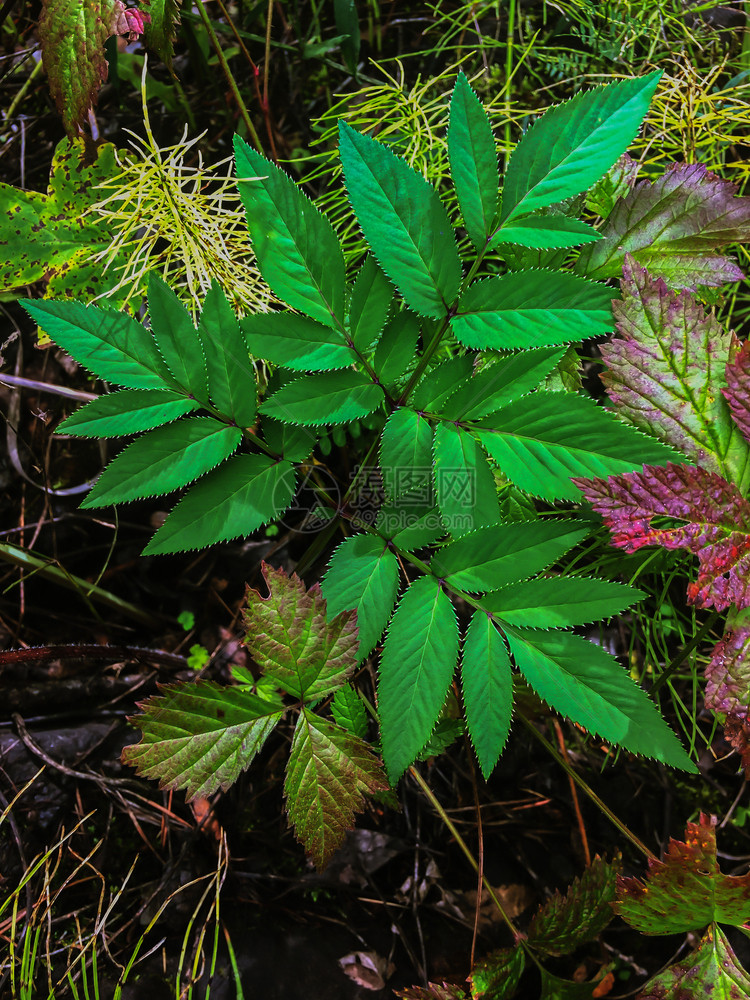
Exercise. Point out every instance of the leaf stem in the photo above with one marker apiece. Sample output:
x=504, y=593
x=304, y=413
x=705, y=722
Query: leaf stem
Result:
x=686, y=650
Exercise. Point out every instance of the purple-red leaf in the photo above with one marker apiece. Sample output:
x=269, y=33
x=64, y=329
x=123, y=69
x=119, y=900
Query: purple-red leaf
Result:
x=711, y=972
x=713, y=523
x=737, y=392
x=728, y=673
x=673, y=227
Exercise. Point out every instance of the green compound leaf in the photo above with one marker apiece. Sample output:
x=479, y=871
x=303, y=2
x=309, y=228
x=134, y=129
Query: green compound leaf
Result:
x=492, y=557
x=397, y=347
x=566, y=921
x=403, y=221
x=128, y=411
x=328, y=775
x=231, y=379
x=293, y=640
x=560, y=601
x=441, y=382
x=542, y=440
x=487, y=684
x=712, y=970
x=349, y=711
x=583, y=682
x=328, y=398
x=416, y=668
x=372, y=296
x=235, y=499
x=164, y=460
x=295, y=342
x=464, y=485
x=687, y=889
x=296, y=248
x=546, y=232
x=572, y=145
x=473, y=160
x=201, y=736
x=532, y=309
x=497, y=976
x=363, y=575
x=177, y=339
x=500, y=382
x=406, y=452
x=109, y=344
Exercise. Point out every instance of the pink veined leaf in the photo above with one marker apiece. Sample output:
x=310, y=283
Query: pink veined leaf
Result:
x=728, y=673
x=715, y=524
x=737, y=392
x=73, y=33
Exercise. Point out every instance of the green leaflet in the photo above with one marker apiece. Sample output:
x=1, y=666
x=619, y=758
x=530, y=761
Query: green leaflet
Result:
x=128, y=411
x=542, y=440
x=111, y=345
x=583, y=682
x=363, y=574
x=372, y=296
x=560, y=600
x=162, y=28
x=295, y=342
x=403, y=221
x=397, y=347
x=487, y=685
x=297, y=250
x=499, y=382
x=294, y=443
x=164, y=460
x=177, y=339
x=546, y=232
x=347, y=23
x=416, y=668
x=201, y=736
x=493, y=557
x=498, y=975
x=349, y=711
x=235, y=499
x=328, y=398
x=473, y=160
x=464, y=486
x=532, y=309
x=406, y=453
x=711, y=970
x=572, y=145
x=441, y=382
x=231, y=379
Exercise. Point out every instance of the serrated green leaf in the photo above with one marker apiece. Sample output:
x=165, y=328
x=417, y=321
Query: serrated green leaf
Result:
x=711, y=971
x=111, y=345
x=128, y=411
x=559, y=601
x=493, y=557
x=410, y=525
x=161, y=30
x=164, y=460
x=294, y=443
x=397, y=347
x=473, y=160
x=363, y=575
x=349, y=711
x=498, y=975
x=541, y=440
x=177, y=339
x=295, y=342
x=416, y=668
x=532, y=309
x=585, y=683
x=441, y=382
x=231, y=379
x=546, y=232
x=307, y=652
x=572, y=145
x=487, y=684
x=328, y=775
x=296, y=248
x=464, y=485
x=372, y=296
x=326, y=398
x=406, y=453
x=238, y=497
x=403, y=221
x=201, y=736
x=444, y=735
x=500, y=382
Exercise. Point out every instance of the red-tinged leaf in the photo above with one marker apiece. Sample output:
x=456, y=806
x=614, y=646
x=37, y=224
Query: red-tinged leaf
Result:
x=728, y=673
x=564, y=922
x=673, y=227
x=686, y=890
x=432, y=991
x=329, y=772
x=737, y=392
x=73, y=33
x=290, y=639
x=498, y=975
x=664, y=368
x=715, y=524
x=737, y=734
x=711, y=972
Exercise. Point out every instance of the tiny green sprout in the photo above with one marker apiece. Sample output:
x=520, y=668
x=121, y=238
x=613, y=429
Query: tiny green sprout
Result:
x=187, y=620
x=198, y=658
